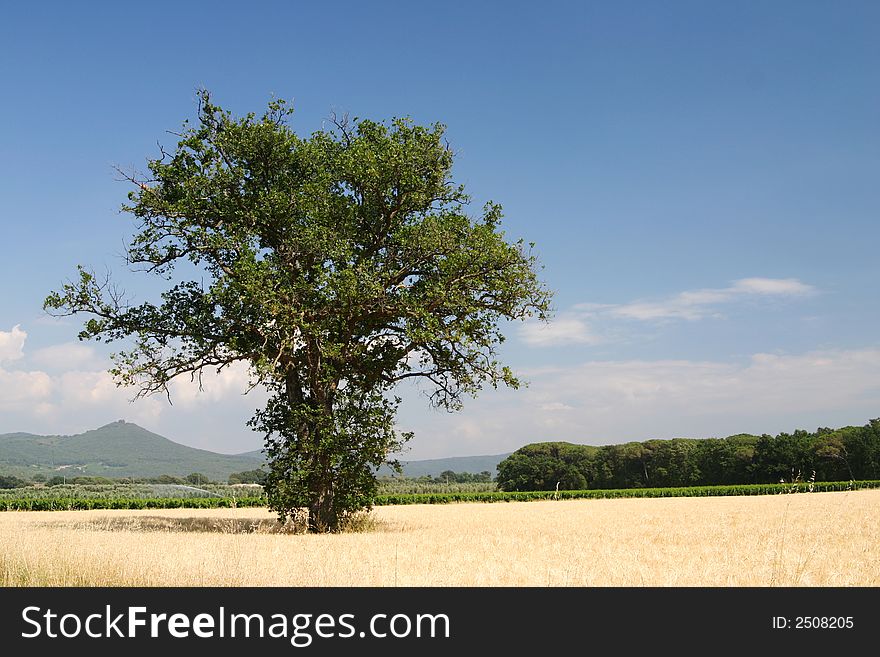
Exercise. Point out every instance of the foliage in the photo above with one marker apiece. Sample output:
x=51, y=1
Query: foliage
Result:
x=541, y=466
x=84, y=481
x=396, y=485
x=334, y=266
x=446, y=477
x=197, y=479
x=257, y=476
x=168, y=479
x=844, y=454
x=7, y=481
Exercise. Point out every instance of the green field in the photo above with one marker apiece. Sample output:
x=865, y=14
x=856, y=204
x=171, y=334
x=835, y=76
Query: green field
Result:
x=161, y=496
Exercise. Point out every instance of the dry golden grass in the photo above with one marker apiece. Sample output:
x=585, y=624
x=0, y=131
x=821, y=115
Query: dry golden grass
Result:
x=819, y=539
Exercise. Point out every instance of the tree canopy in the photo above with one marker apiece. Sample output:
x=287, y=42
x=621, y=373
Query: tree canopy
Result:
x=335, y=266
x=848, y=453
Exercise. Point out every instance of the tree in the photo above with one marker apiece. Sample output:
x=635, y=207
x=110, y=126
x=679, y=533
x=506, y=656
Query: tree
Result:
x=168, y=479
x=541, y=466
x=10, y=481
x=257, y=476
x=783, y=458
x=334, y=266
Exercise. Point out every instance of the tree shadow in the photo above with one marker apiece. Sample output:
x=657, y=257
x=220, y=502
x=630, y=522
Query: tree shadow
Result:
x=194, y=524
x=207, y=525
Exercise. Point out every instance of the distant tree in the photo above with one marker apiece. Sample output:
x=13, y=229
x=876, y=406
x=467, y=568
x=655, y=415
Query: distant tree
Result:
x=616, y=468
x=84, y=480
x=541, y=466
x=726, y=460
x=334, y=266
x=10, y=481
x=832, y=454
x=833, y=458
x=39, y=478
x=257, y=476
x=447, y=476
x=863, y=448
x=674, y=462
x=784, y=457
x=57, y=480
x=197, y=479
x=167, y=479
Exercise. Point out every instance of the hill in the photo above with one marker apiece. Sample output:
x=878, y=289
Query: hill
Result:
x=119, y=449
x=433, y=467
x=124, y=449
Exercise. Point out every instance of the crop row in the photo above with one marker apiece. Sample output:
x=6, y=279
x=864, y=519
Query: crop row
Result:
x=693, y=491
x=125, y=491
x=85, y=504
x=409, y=486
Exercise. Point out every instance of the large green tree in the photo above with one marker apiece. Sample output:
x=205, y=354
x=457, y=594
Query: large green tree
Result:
x=335, y=266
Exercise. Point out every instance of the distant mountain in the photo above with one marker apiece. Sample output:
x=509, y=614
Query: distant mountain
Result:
x=124, y=449
x=120, y=449
x=254, y=454
x=433, y=467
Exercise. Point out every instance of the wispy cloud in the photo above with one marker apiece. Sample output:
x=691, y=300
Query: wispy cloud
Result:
x=567, y=328
x=577, y=325
x=784, y=286
x=698, y=304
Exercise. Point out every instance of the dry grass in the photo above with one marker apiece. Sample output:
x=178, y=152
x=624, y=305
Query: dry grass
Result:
x=820, y=539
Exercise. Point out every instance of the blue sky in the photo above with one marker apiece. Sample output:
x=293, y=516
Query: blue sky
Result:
x=702, y=181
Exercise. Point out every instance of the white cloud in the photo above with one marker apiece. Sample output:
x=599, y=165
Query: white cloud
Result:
x=215, y=386
x=671, y=309
x=74, y=392
x=555, y=406
x=603, y=402
x=784, y=286
x=577, y=325
x=90, y=388
x=67, y=356
x=697, y=304
x=12, y=343
x=18, y=389
x=565, y=329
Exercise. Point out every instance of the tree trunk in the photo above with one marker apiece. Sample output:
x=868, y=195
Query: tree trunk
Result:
x=323, y=514
x=322, y=511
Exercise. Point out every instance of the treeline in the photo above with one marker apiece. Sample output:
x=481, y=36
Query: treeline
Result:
x=452, y=477
x=849, y=453
x=193, y=479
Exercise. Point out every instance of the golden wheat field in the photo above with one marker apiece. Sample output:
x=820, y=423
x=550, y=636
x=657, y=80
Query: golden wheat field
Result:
x=818, y=539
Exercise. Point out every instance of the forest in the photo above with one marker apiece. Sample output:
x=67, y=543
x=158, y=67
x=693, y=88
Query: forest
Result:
x=844, y=454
